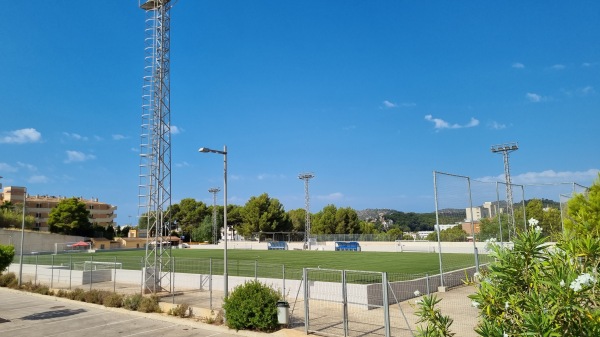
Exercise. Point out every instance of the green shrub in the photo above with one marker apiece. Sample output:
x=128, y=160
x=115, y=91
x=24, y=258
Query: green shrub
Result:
x=132, y=302
x=435, y=324
x=252, y=306
x=96, y=296
x=76, y=294
x=9, y=280
x=7, y=253
x=113, y=300
x=62, y=293
x=37, y=288
x=149, y=304
x=182, y=310
x=536, y=289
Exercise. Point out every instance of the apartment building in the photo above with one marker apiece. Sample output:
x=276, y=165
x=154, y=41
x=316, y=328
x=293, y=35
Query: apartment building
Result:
x=39, y=206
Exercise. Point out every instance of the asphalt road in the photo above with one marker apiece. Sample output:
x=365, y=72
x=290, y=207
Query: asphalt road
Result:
x=31, y=315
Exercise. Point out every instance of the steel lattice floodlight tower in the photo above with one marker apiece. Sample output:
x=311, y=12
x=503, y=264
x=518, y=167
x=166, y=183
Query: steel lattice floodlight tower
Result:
x=214, y=191
x=155, y=146
x=306, y=177
x=505, y=149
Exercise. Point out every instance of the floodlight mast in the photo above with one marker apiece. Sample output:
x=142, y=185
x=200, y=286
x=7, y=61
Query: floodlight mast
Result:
x=307, y=228
x=505, y=149
x=155, y=146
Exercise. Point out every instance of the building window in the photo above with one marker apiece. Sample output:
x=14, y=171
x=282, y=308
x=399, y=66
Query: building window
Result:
x=91, y=206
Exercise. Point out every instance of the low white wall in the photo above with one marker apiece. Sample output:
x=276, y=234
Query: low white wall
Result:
x=365, y=246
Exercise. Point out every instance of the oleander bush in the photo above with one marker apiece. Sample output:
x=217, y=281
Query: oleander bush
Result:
x=537, y=289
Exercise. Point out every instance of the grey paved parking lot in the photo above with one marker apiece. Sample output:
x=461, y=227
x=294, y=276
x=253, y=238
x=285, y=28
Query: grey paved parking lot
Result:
x=30, y=315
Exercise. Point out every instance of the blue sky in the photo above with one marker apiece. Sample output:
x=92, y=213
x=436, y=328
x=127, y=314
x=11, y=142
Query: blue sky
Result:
x=370, y=96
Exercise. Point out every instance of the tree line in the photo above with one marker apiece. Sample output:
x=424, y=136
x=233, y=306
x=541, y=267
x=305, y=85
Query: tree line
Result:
x=193, y=219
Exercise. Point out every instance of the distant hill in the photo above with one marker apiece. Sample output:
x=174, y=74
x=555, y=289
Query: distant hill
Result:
x=373, y=213
x=408, y=222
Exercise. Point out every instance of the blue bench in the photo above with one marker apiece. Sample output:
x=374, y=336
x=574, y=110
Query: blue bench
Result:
x=347, y=246
x=277, y=245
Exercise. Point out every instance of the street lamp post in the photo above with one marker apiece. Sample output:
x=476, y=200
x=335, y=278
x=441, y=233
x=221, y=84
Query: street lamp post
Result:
x=224, y=153
x=22, y=239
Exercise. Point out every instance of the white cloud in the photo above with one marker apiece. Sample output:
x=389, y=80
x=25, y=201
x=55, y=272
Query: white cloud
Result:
x=265, y=176
x=330, y=197
x=76, y=156
x=27, y=166
x=551, y=176
x=4, y=167
x=547, y=177
x=587, y=90
x=75, y=136
x=21, y=136
x=518, y=65
x=37, y=179
x=558, y=67
x=472, y=123
x=497, y=126
x=349, y=127
x=182, y=164
x=134, y=149
x=442, y=124
x=535, y=98
x=176, y=130
x=118, y=137
x=389, y=105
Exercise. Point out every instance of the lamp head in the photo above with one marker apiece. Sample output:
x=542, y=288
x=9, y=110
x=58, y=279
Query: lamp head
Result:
x=203, y=149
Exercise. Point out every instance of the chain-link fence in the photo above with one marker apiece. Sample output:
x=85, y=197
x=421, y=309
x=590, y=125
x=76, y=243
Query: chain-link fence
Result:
x=483, y=210
x=322, y=301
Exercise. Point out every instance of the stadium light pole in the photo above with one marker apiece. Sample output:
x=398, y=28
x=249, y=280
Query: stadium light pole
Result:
x=224, y=153
x=22, y=239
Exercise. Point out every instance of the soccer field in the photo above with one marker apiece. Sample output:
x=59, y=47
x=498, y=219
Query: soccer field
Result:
x=391, y=262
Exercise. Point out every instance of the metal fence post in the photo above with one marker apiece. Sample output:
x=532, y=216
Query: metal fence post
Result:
x=345, y=303
x=36, y=268
x=70, y=270
x=173, y=279
x=283, y=281
x=115, y=276
x=427, y=278
x=142, y=270
x=386, y=304
x=91, y=270
x=306, y=300
x=210, y=288
x=52, y=272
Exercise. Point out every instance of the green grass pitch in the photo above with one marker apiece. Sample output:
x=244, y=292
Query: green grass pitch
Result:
x=391, y=262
